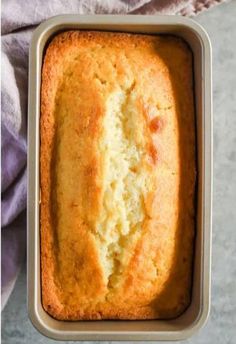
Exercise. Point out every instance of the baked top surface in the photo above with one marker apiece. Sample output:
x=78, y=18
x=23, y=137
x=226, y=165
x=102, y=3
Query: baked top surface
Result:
x=117, y=183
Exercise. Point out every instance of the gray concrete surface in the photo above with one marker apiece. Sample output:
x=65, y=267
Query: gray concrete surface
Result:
x=220, y=22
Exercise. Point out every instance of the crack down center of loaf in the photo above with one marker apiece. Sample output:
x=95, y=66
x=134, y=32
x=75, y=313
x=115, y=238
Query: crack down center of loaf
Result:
x=125, y=183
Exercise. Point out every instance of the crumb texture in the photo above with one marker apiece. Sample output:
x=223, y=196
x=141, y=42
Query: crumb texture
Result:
x=117, y=163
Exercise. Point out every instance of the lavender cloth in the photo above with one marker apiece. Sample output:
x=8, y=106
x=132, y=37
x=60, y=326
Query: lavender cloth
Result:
x=18, y=21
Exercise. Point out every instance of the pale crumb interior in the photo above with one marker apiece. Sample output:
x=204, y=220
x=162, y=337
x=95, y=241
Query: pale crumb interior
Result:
x=125, y=183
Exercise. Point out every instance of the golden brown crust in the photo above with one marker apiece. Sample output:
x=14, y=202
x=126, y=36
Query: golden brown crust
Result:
x=149, y=79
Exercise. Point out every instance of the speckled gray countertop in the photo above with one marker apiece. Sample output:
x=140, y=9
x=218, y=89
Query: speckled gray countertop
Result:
x=220, y=23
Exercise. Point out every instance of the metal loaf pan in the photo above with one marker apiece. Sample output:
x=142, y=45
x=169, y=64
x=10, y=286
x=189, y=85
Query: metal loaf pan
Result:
x=196, y=314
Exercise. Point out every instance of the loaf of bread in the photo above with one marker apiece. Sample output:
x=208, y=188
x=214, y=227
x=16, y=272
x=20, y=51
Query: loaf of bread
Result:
x=118, y=174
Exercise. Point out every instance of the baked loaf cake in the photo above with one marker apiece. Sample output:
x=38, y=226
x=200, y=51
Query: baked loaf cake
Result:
x=117, y=176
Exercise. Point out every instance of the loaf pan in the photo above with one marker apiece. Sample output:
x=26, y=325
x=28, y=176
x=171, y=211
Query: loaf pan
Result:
x=196, y=314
